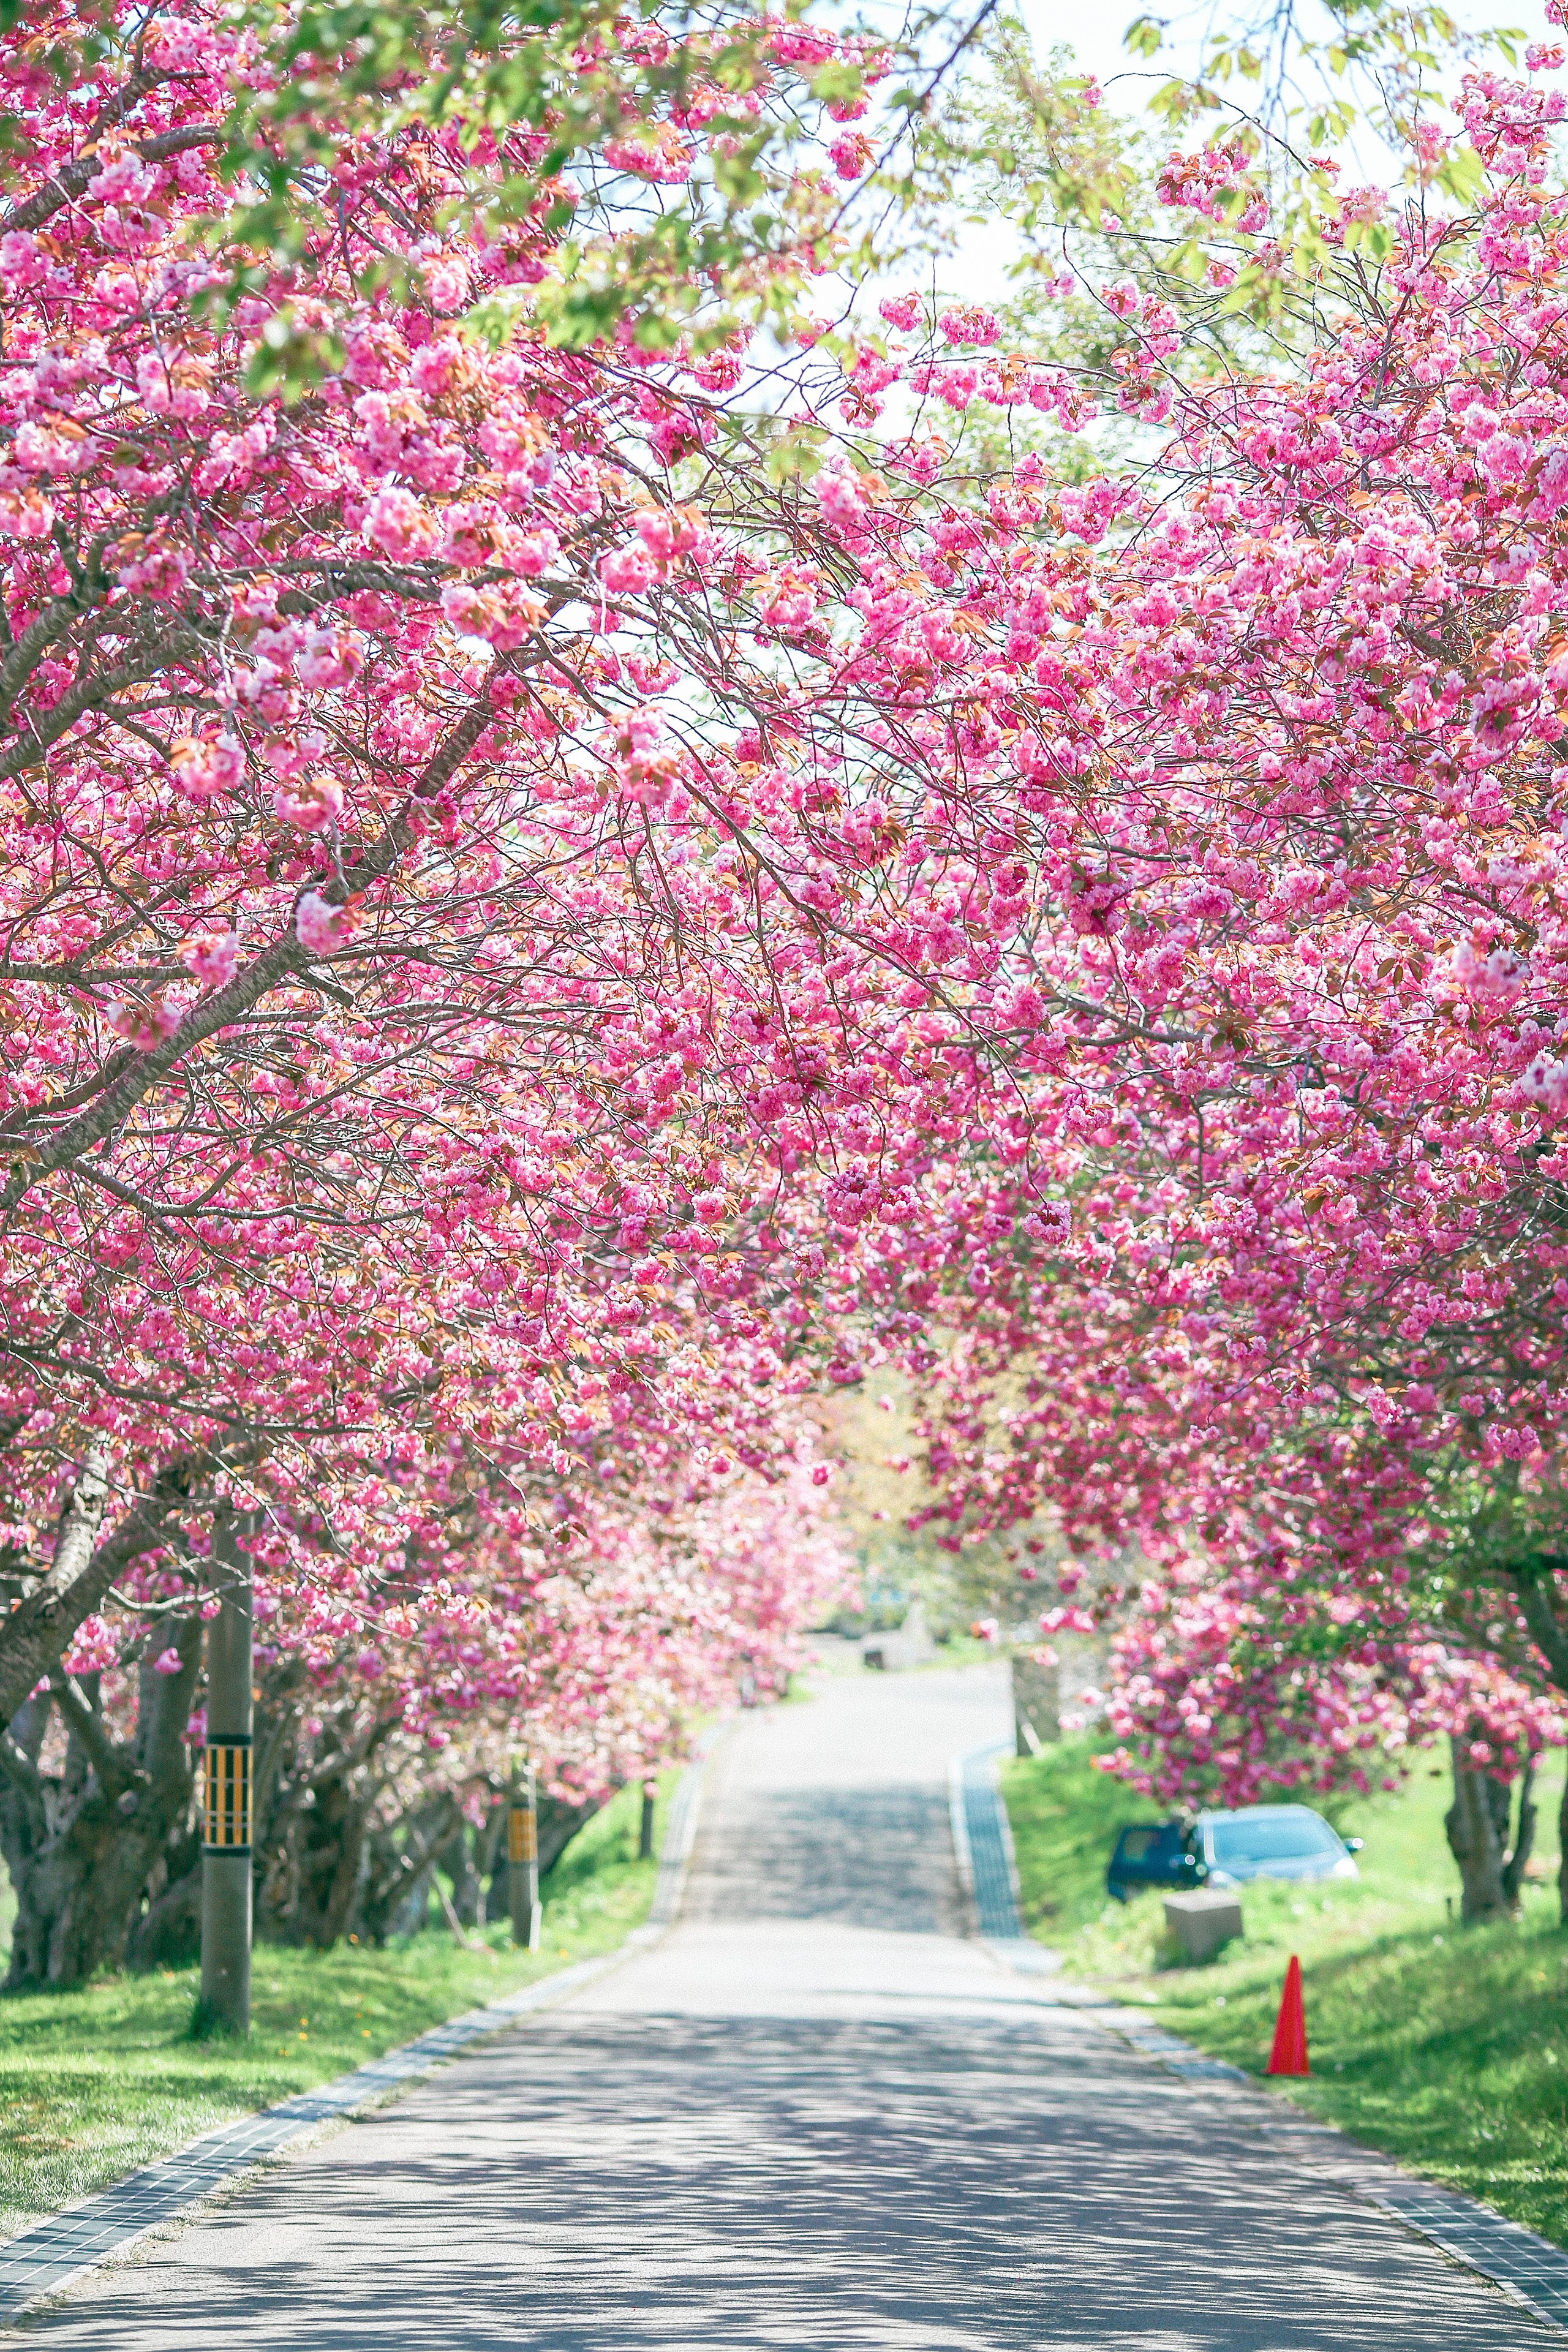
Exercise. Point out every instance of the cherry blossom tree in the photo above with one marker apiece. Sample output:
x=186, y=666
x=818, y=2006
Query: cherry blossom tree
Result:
x=550, y=907
x=1244, y=1224
x=378, y=1005
x=395, y=1019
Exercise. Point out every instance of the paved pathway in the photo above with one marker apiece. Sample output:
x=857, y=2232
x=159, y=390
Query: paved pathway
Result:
x=812, y=2116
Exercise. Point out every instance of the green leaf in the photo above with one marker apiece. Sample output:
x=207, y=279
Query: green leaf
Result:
x=836, y=79
x=1462, y=174
x=737, y=178
x=796, y=454
x=289, y=362
x=494, y=319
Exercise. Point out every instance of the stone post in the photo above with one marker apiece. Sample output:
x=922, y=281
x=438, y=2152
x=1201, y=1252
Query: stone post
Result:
x=522, y=1861
x=225, y=1828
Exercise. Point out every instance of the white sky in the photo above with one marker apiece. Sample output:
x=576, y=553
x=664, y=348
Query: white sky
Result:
x=1093, y=30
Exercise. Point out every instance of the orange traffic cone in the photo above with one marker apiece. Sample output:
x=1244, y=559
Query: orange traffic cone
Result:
x=1289, y=2055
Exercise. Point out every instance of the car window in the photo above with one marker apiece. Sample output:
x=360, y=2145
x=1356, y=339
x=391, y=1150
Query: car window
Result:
x=1136, y=1845
x=1288, y=1839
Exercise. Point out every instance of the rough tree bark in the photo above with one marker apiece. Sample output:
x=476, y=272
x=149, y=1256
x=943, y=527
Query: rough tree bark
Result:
x=403, y=1858
x=1478, y=1824
x=558, y=1825
x=489, y=1891
x=312, y=1857
x=315, y=1859
x=93, y=1850
x=457, y=1858
x=1535, y=1584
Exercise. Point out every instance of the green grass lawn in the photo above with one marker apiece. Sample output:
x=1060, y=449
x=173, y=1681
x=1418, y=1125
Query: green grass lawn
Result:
x=96, y=2082
x=1447, y=2049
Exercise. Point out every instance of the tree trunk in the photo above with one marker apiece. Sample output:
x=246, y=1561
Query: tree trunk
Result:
x=169, y=1934
x=90, y=1848
x=316, y=1859
x=457, y=1857
x=487, y=1845
x=1473, y=1839
x=276, y=1734
x=315, y=1818
x=558, y=1825
x=395, y=1897
x=1523, y=1839
x=27, y=1806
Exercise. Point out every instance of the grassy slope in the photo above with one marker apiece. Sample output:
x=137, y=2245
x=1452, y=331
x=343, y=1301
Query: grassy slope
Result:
x=96, y=2082
x=1447, y=2050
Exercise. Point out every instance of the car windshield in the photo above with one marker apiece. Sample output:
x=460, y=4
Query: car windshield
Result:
x=1285, y=1837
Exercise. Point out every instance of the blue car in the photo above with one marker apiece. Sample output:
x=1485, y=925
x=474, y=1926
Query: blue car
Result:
x=1154, y=1853
x=1228, y=1849
x=1271, y=1842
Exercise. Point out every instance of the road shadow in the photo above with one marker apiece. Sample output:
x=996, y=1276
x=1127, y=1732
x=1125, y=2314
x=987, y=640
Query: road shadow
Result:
x=860, y=1857
x=639, y=2183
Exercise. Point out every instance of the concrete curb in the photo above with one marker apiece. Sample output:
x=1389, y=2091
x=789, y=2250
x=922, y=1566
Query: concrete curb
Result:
x=987, y=1866
x=1529, y=2270
x=54, y=2252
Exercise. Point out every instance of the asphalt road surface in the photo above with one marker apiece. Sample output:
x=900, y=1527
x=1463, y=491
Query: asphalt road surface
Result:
x=814, y=2115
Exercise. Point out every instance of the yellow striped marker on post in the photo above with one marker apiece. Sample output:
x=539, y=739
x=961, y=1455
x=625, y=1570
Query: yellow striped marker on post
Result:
x=225, y=1842
x=227, y=1771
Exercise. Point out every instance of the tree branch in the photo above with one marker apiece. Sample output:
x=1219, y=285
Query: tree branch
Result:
x=112, y=1768
x=70, y=181
x=1546, y=1630
x=283, y=960
x=34, y=1637
x=21, y=1769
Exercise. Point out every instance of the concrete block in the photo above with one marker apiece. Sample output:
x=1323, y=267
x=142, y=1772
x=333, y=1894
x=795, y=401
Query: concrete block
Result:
x=1201, y=1923
x=910, y=1645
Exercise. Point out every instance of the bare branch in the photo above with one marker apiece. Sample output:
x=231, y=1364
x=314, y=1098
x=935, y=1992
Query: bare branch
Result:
x=21, y=1769
x=112, y=1768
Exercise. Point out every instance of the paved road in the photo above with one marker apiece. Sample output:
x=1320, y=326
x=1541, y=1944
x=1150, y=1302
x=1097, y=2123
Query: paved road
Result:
x=813, y=2116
